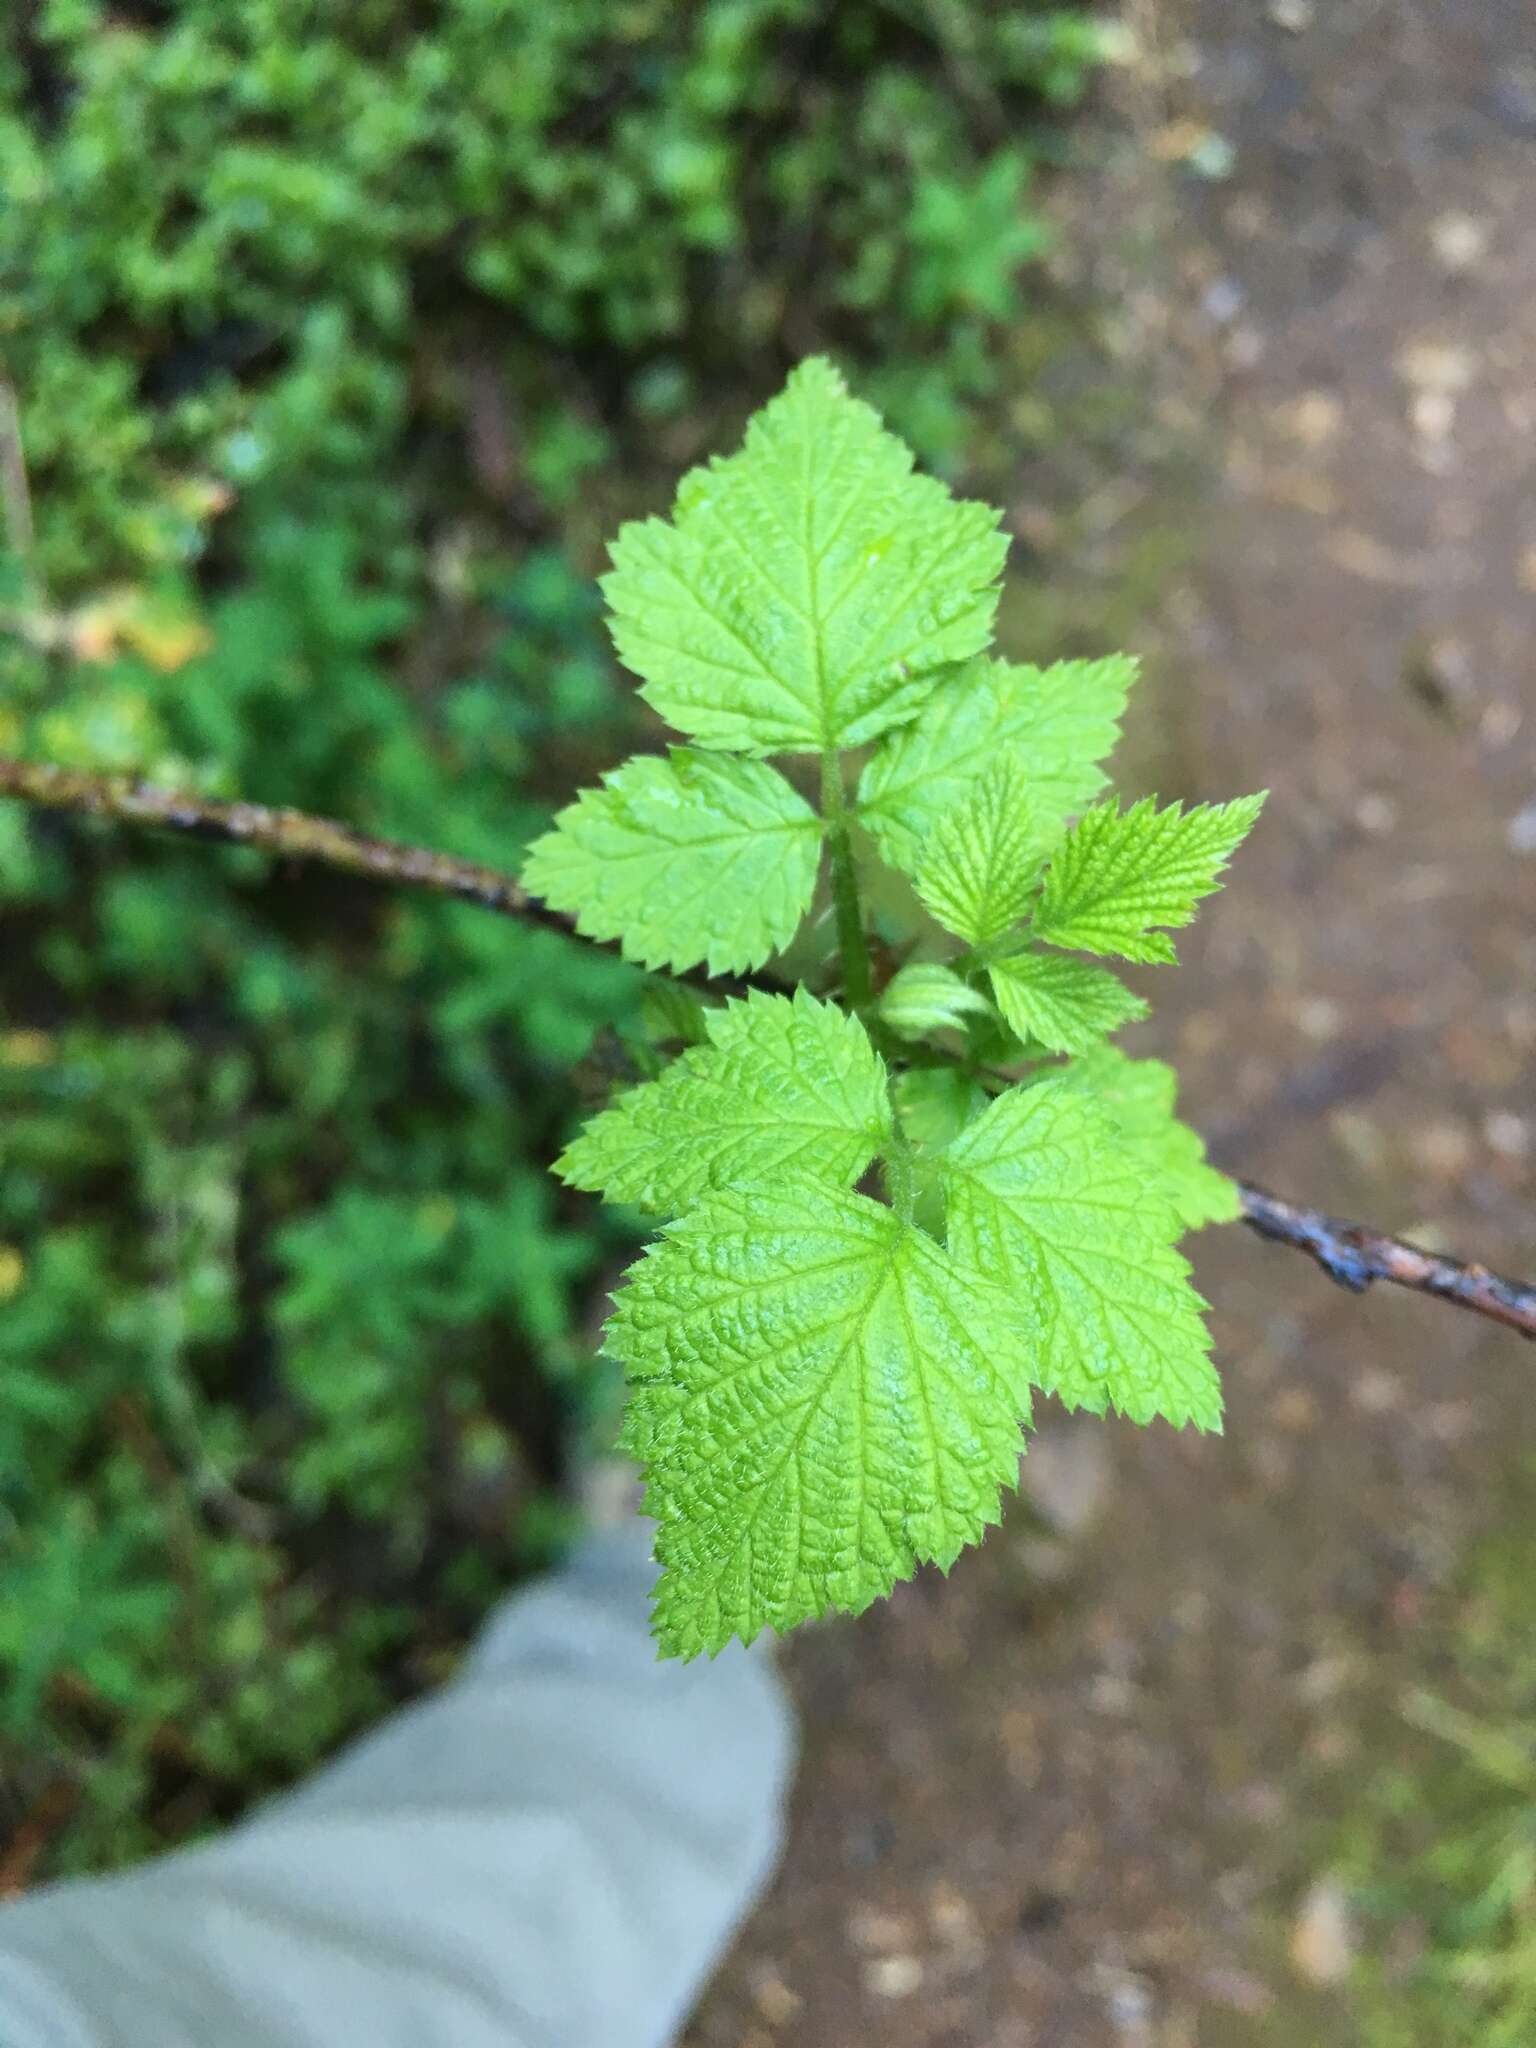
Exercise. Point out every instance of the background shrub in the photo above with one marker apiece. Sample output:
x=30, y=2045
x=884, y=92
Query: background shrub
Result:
x=341, y=333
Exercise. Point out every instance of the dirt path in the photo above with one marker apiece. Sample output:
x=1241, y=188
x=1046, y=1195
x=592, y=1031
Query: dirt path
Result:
x=1080, y=1806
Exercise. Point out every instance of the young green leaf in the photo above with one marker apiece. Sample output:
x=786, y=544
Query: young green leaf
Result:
x=925, y=996
x=983, y=857
x=809, y=590
x=1140, y=1096
x=1048, y=1201
x=1063, y=719
x=670, y=1012
x=933, y=1106
x=784, y=1086
x=700, y=857
x=1065, y=1005
x=1117, y=876
x=822, y=1398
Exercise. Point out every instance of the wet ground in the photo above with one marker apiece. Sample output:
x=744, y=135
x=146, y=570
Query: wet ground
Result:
x=1082, y=1792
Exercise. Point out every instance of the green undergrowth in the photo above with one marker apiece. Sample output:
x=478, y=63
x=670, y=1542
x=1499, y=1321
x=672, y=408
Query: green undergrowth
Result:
x=274, y=1221
x=1442, y=1852
x=488, y=248
x=340, y=335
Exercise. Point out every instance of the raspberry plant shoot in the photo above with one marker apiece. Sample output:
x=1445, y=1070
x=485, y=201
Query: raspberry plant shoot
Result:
x=893, y=1206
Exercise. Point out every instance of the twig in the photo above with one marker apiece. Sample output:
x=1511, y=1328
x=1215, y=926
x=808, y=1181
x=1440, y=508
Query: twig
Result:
x=1349, y=1253
x=301, y=836
x=289, y=835
x=1355, y=1256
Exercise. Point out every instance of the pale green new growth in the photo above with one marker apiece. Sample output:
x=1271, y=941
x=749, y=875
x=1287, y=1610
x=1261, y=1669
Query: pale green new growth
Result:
x=1118, y=876
x=1063, y=720
x=696, y=858
x=1064, y=1005
x=669, y=1011
x=1140, y=1096
x=978, y=873
x=823, y=1398
x=1043, y=1198
x=807, y=591
x=926, y=996
x=783, y=1086
x=827, y=1388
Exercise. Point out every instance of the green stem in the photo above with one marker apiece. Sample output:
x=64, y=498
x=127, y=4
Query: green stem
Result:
x=900, y=1176
x=852, y=946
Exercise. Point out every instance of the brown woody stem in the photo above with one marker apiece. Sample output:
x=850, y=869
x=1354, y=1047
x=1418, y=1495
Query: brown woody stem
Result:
x=1349, y=1253
x=1356, y=1256
x=289, y=835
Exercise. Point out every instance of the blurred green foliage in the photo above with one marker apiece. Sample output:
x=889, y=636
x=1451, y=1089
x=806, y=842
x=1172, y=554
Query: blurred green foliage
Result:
x=341, y=330
x=317, y=241
x=1442, y=1847
x=291, y=1306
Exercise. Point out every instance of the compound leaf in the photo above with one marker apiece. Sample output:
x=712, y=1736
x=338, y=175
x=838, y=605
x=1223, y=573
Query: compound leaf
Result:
x=1065, y=1005
x=1063, y=719
x=925, y=996
x=1118, y=875
x=785, y=1085
x=1140, y=1096
x=983, y=858
x=1046, y=1199
x=699, y=857
x=822, y=1398
x=809, y=590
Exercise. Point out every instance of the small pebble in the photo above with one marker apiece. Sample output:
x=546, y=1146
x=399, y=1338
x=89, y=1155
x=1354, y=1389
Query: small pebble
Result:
x=1459, y=240
x=1442, y=366
x=1319, y=1018
x=1434, y=415
x=1443, y=1148
x=870, y=1928
x=1507, y=1134
x=1521, y=831
x=1323, y=1939
x=893, y=1976
x=773, y=1998
x=1375, y=814
x=1315, y=418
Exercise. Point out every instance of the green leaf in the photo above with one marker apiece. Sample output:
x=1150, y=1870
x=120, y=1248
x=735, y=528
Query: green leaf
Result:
x=822, y=1397
x=809, y=590
x=933, y=1106
x=786, y=1085
x=1063, y=719
x=670, y=1013
x=695, y=858
x=1047, y=1200
x=1116, y=876
x=983, y=858
x=925, y=996
x=1065, y=1005
x=1140, y=1096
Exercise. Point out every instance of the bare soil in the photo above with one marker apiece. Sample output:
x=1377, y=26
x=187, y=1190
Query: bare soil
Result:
x=1079, y=1793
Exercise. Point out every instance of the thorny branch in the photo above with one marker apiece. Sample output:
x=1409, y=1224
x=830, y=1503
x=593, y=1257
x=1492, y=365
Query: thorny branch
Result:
x=1349, y=1253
